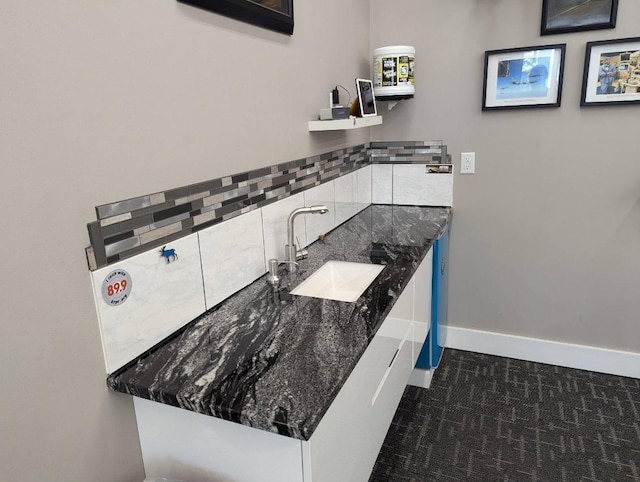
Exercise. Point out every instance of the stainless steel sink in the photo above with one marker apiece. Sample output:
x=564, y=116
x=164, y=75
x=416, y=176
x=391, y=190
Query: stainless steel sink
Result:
x=339, y=280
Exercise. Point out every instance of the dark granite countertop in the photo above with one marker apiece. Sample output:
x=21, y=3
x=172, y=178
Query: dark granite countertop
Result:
x=277, y=365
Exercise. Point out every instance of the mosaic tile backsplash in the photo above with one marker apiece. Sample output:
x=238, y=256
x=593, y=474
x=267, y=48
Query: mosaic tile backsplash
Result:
x=426, y=152
x=126, y=228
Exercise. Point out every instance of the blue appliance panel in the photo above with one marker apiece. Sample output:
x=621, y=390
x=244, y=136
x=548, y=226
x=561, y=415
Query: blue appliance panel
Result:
x=440, y=297
x=436, y=338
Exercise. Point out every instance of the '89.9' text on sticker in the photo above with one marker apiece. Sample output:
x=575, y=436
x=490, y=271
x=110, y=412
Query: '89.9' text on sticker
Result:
x=116, y=287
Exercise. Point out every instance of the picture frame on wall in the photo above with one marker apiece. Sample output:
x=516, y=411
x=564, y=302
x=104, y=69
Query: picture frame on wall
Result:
x=564, y=16
x=523, y=77
x=271, y=14
x=611, y=72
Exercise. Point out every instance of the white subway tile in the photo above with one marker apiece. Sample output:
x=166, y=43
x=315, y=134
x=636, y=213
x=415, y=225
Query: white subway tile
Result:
x=232, y=255
x=364, y=187
x=164, y=297
x=318, y=224
x=413, y=185
x=381, y=183
x=346, y=197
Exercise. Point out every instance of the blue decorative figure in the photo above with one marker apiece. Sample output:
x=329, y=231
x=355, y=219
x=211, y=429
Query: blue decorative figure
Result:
x=169, y=254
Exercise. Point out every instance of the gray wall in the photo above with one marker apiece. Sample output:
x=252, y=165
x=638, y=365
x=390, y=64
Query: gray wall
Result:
x=106, y=100
x=546, y=234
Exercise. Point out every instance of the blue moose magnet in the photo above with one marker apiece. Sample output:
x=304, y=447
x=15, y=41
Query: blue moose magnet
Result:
x=168, y=254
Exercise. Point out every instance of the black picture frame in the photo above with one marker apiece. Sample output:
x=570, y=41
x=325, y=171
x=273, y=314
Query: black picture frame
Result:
x=565, y=16
x=622, y=60
x=253, y=12
x=523, y=77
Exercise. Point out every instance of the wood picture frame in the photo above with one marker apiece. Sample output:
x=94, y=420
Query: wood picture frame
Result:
x=523, y=77
x=271, y=14
x=611, y=72
x=565, y=16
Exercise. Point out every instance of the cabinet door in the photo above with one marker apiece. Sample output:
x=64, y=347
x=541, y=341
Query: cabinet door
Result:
x=184, y=445
x=422, y=300
x=347, y=441
x=345, y=445
x=414, y=304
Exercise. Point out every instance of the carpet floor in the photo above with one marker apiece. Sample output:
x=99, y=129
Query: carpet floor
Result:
x=487, y=418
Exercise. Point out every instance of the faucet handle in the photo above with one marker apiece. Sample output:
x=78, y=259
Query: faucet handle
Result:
x=300, y=253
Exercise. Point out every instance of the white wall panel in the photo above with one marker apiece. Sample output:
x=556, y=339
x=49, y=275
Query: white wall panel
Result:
x=164, y=296
x=320, y=223
x=232, y=254
x=381, y=183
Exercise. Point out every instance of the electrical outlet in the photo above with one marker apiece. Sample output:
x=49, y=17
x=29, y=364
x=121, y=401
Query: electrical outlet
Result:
x=467, y=162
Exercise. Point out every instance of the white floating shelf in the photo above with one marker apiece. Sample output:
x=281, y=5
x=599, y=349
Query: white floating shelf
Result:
x=344, y=124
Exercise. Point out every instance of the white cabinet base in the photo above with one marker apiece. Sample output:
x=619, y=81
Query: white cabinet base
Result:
x=184, y=445
x=189, y=446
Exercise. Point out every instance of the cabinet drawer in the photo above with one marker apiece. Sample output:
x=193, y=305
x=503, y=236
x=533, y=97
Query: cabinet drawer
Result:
x=401, y=357
x=347, y=441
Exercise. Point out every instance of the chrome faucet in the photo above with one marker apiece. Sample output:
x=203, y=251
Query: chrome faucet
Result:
x=291, y=253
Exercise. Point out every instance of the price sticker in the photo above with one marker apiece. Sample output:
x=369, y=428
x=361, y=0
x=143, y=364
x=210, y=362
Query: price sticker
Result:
x=116, y=287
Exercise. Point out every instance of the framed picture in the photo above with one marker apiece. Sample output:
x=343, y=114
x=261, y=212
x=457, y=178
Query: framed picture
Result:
x=612, y=72
x=272, y=14
x=562, y=16
x=523, y=77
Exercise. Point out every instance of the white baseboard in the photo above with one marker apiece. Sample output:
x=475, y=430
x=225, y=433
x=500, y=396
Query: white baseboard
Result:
x=602, y=360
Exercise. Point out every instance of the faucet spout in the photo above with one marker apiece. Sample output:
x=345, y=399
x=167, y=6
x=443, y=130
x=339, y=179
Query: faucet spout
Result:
x=291, y=251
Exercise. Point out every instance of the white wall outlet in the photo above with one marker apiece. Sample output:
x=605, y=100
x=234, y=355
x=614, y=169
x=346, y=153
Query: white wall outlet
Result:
x=467, y=162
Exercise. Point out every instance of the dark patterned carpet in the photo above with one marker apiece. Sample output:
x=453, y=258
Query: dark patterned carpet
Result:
x=487, y=418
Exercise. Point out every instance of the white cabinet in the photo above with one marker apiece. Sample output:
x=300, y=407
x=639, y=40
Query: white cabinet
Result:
x=185, y=445
x=348, y=439
x=414, y=304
